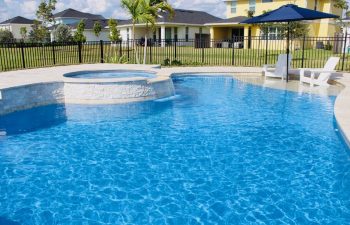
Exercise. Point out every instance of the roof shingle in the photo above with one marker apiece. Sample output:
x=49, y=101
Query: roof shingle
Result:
x=18, y=20
x=182, y=16
x=89, y=23
x=72, y=13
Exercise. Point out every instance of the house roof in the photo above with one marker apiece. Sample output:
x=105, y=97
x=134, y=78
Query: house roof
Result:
x=72, y=13
x=182, y=16
x=89, y=24
x=233, y=20
x=18, y=20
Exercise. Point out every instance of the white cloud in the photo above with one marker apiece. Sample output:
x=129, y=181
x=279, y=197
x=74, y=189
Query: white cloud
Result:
x=60, y=6
x=215, y=7
x=28, y=7
x=97, y=6
x=120, y=14
x=8, y=1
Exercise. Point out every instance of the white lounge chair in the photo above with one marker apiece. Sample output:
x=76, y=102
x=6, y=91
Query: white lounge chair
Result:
x=280, y=70
x=323, y=73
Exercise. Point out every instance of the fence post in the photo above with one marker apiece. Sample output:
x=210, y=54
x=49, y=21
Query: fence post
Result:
x=344, y=50
x=79, y=52
x=150, y=52
x=101, y=52
x=53, y=52
x=202, y=44
x=120, y=49
x=303, y=53
x=128, y=49
x=175, y=42
x=2, y=66
x=233, y=51
x=267, y=41
x=23, y=58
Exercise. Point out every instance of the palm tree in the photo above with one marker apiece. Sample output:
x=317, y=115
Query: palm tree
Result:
x=144, y=11
x=137, y=12
x=153, y=8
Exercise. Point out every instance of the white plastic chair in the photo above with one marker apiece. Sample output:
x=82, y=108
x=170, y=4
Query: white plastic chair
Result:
x=323, y=73
x=280, y=70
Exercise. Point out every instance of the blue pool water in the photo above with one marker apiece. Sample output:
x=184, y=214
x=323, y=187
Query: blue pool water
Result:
x=110, y=74
x=220, y=152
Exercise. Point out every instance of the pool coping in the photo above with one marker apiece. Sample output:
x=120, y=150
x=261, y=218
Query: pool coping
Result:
x=342, y=108
x=15, y=79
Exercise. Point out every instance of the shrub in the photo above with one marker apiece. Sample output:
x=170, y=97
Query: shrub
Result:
x=63, y=33
x=328, y=46
x=176, y=63
x=97, y=28
x=6, y=36
x=117, y=59
x=79, y=34
x=113, y=31
x=166, y=62
x=39, y=33
x=23, y=31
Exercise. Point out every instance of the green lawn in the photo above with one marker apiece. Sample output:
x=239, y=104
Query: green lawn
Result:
x=43, y=56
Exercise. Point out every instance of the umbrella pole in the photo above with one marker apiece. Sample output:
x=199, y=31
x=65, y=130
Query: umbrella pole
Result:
x=288, y=30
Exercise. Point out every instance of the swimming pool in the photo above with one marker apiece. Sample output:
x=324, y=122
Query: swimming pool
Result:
x=220, y=151
x=105, y=74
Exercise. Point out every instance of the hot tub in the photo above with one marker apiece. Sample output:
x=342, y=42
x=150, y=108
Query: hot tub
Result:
x=115, y=86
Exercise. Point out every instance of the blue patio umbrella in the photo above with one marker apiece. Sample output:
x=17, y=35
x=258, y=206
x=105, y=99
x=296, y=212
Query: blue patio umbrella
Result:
x=289, y=13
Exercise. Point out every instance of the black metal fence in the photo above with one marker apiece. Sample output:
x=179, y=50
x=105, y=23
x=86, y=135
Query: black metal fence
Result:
x=241, y=51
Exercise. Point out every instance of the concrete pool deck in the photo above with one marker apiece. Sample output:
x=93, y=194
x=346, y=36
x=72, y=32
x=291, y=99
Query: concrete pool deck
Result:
x=16, y=81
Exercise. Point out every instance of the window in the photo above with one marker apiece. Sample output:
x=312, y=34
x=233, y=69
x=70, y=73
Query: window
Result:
x=274, y=33
x=155, y=35
x=200, y=30
x=127, y=33
x=175, y=33
x=252, y=4
x=186, y=35
x=263, y=1
x=234, y=6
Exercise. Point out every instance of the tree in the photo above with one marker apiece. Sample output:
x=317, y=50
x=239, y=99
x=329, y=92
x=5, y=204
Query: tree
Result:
x=63, y=33
x=113, y=31
x=79, y=34
x=153, y=8
x=97, y=28
x=250, y=13
x=134, y=9
x=23, y=31
x=39, y=33
x=6, y=36
x=144, y=11
x=45, y=10
x=343, y=5
x=297, y=30
x=44, y=13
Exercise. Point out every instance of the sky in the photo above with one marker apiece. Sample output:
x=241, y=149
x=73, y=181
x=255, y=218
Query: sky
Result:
x=107, y=8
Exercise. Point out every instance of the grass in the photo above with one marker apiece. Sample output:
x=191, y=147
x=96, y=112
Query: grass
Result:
x=43, y=56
